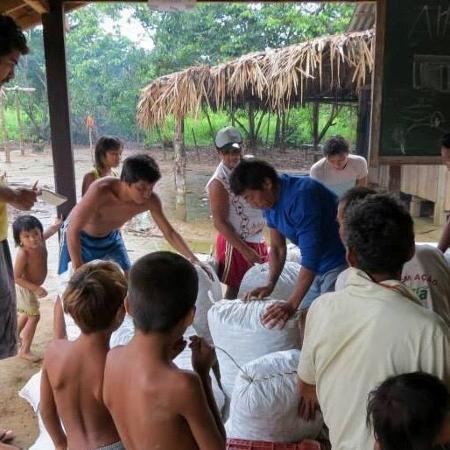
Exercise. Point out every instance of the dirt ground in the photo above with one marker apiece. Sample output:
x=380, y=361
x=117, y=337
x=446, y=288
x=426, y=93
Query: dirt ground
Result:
x=140, y=236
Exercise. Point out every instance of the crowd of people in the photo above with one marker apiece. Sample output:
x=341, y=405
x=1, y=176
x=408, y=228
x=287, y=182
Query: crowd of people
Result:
x=374, y=306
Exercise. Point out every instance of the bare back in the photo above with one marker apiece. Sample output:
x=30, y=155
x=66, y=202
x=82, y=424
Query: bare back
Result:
x=74, y=371
x=150, y=402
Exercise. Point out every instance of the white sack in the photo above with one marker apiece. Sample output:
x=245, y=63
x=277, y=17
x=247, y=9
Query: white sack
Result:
x=236, y=328
x=258, y=276
x=208, y=291
x=264, y=404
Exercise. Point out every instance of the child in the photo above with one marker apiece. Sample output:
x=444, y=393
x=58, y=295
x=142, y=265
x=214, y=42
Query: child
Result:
x=410, y=412
x=72, y=372
x=108, y=151
x=153, y=403
x=30, y=271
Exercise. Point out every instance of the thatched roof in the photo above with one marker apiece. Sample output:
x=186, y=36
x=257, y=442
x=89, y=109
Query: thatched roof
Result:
x=332, y=67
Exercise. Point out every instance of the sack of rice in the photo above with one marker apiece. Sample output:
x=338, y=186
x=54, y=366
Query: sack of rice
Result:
x=264, y=403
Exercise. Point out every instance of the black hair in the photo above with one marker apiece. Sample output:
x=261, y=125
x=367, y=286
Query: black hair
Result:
x=355, y=194
x=11, y=37
x=163, y=287
x=445, y=141
x=25, y=223
x=335, y=146
x=104, y=145
x=140, y=168
x=407, y=411
x=380, y=232
x=251, y=174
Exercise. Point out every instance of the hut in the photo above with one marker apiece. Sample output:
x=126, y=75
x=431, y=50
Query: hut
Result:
x=328, y=69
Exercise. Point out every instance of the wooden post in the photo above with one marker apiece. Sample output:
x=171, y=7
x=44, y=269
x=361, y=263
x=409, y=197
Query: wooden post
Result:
x=395, y=178
x=363, y=126
x=440, y=216
x=58, y=104
x=3, y=127
x=315, y=124
x=180, y=170
x=19, y=121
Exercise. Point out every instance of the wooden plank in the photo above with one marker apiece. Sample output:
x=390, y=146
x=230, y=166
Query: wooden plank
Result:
x=9, y=6
x=58, y=101
x=40, y=6
x=394, y=160
x=377, y=84
x=395, y=176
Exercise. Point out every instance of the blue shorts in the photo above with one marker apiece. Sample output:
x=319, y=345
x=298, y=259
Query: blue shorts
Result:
x=110, y=247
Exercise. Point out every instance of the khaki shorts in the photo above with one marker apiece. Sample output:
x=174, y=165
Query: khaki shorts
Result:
x=27, y=302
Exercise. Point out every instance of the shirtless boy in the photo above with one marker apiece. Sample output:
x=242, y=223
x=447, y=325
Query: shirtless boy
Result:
x=30, y=272
x=72, y=373
x=93, y=228
x=153, y=403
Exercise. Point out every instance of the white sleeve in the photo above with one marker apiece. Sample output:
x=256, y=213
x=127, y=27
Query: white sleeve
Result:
x=362, y=168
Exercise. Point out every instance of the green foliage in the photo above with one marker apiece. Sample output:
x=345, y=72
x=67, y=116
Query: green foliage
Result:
x=106, y=70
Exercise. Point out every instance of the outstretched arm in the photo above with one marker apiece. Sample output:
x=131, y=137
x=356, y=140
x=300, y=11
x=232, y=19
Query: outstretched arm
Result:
x=172, y=236
x=277, y=258
x=53, y=228
x=79, y=217
x=49, y=413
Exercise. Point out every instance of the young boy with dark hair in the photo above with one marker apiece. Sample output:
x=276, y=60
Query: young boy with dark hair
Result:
x=153, y=403
x=371, y=329
x=72, y=373
x=410, y=412
x=30, y=272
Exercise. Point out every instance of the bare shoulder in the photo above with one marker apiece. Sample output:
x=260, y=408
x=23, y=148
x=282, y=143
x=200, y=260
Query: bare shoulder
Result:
x=115, y=357
x=186, y=384
x=56, y=350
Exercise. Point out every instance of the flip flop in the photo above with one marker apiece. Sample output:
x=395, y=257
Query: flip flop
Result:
x=6, y=435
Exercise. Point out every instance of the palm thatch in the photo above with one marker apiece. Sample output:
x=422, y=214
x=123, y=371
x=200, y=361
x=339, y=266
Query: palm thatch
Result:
x=332, y=66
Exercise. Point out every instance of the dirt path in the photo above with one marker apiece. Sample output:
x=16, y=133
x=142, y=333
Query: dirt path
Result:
x=140, y=236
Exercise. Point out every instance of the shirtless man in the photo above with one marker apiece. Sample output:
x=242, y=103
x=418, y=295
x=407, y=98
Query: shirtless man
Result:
x=154, y=404
x=93, y=228
x=71, y=383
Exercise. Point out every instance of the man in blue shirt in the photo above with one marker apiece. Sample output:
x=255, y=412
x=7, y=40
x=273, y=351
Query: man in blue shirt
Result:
x=304, y=211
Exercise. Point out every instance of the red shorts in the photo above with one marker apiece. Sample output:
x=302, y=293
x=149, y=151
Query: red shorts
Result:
x=232, y=265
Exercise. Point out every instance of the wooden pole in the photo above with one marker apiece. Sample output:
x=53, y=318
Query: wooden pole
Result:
x=3, y=128
x=363, y=126
x=180, y=170
x=19, y=121
x=315, y=124
x=58, y=104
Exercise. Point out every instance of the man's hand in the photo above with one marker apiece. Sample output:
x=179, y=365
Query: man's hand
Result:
x=41, y=292
x=277, y=314
x=203, y=355
x=308, y=404
x=178, y=347
x=24, y=199
x=259, y=293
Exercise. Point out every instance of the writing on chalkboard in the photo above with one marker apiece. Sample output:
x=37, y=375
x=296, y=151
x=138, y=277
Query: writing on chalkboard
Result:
x=432, y=20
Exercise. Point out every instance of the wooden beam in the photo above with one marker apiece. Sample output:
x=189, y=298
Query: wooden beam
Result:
x=425, y=160
x=377, y=84
x=40, y=6
x=9, y=6
x=58, y=103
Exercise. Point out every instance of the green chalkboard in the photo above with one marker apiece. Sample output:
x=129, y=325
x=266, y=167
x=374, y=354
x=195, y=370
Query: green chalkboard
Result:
x=415, y=109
